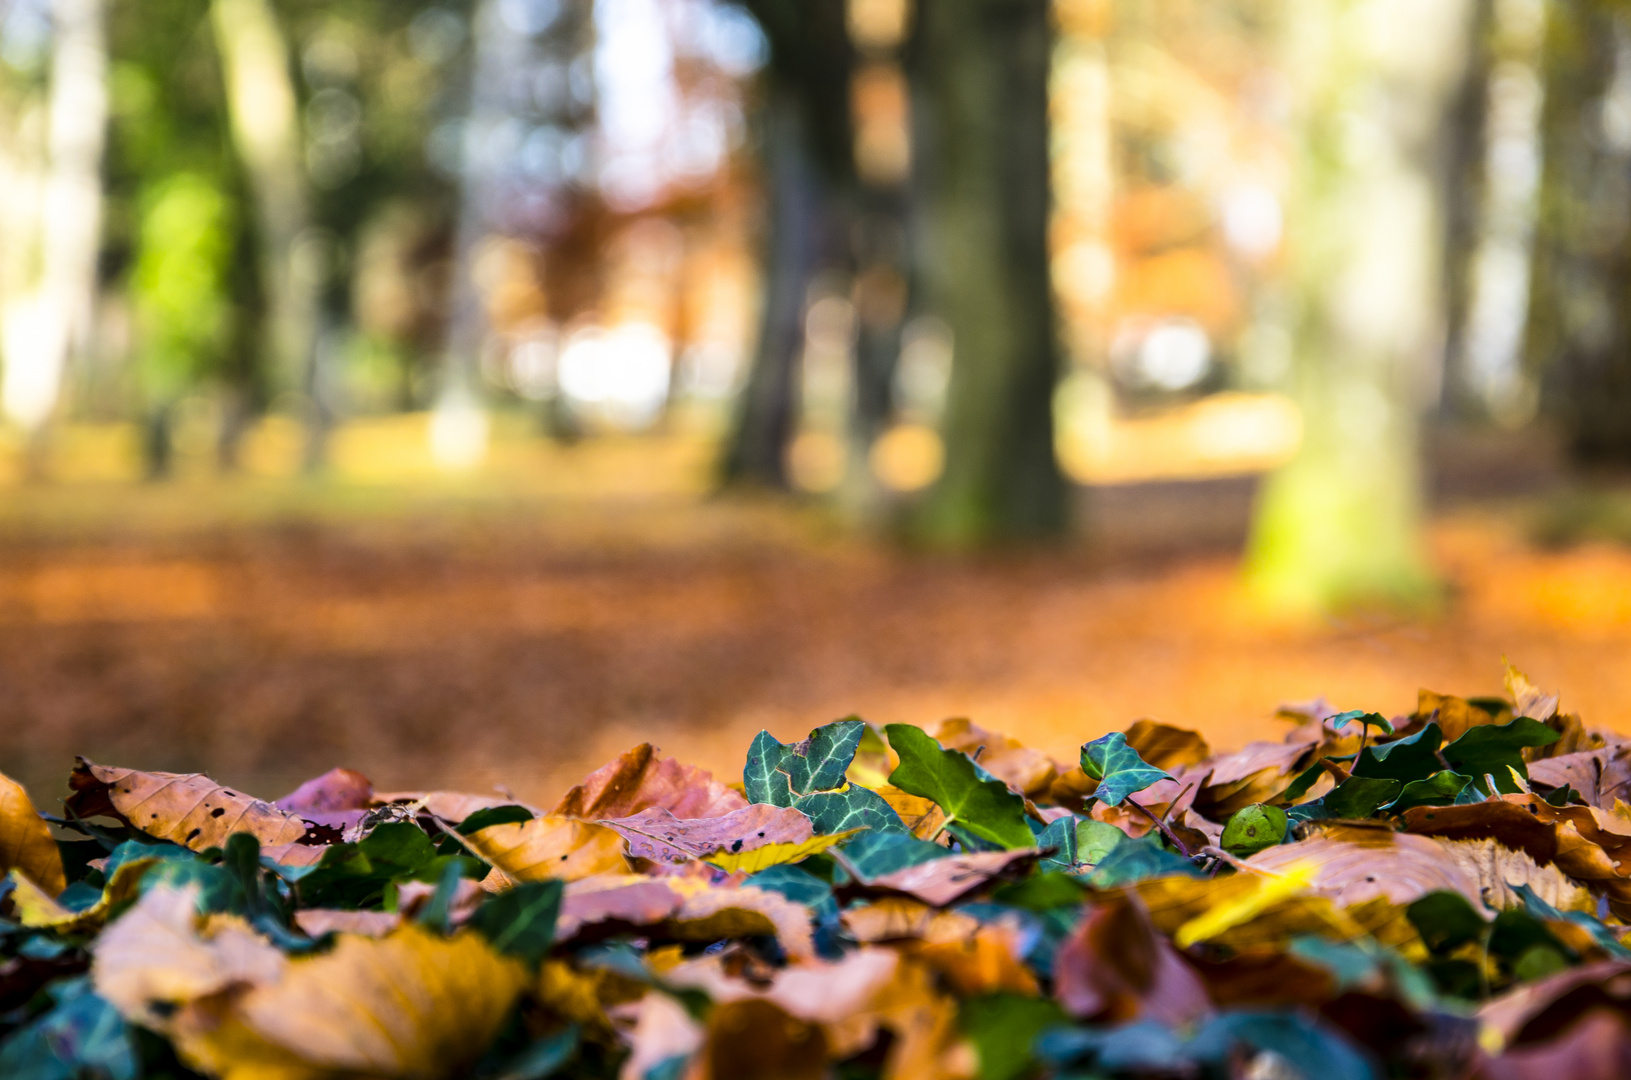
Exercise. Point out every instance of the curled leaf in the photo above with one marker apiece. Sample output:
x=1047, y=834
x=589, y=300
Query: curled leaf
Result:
x=188, y=808
x=551, y=847
x=26, y=845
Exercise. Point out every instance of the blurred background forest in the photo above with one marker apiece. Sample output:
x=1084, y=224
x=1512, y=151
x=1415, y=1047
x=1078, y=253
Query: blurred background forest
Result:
x=463, y=390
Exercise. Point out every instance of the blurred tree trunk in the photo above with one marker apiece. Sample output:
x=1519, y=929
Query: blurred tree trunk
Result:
x=263, y=112
x=1374, y=80
x=1580, y=313
x=1466, y=144
x=808, y=165
x=53, y=319
x=981, y=103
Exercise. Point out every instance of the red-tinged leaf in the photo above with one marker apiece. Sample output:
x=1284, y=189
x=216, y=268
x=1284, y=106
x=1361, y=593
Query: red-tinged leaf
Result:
x=1117, y=968
x=682, y=909
x=656, y=834
x=1596, y=1048
x=639, y=780
x=944, y=881
x=1541, y=1010
x=620, y=898
x=337, y=789
x=315, y=922
x=1600, y=776
x=188, y=808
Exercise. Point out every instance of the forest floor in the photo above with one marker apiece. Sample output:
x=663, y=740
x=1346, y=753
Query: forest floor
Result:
x=443, y=637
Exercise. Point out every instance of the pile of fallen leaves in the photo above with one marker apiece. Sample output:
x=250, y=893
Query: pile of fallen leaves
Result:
x=1437, y=895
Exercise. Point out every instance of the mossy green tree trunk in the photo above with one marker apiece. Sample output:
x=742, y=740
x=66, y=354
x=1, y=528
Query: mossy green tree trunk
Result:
x=980, y=77
x=1579, y=337
x=1374, y=81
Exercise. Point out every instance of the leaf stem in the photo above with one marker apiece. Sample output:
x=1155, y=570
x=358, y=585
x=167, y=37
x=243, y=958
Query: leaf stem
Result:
x=1166, y=830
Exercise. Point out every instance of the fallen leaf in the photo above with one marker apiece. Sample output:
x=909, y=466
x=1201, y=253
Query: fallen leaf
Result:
x=1600, y=776
x=37, y=909
x=551, y=847
x=1455, y=716
x=641, y=779
x=1116, y=967
x=1167, y=747
x=1256, y=773
x=187, y=808
x=1352, y=865
x=1527, y=698
x=1118, y=769
x=315, y=922
x=409, y=1006
x=337, y=789
x=662, y=1030
x=657, y=835
x=163, y=953
x=1026, y=771
x=811, y=776
x=683, y=910
x=756, y=859
x=1598, y=1047
x=946, y=880
x=756, y=1039
x=26, y=845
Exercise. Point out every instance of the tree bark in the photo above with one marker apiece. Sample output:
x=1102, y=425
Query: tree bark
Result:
x=1375, y=80
x=980, y=99
x=1579, y=336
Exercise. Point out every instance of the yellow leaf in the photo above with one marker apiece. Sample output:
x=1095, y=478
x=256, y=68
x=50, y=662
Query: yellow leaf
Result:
x=1269, y=892
x=188, y=808
x=551, y=847
x=163, y=952
x=751, y=862
x=411, y=1006
x=35, y=908
x=25, y=840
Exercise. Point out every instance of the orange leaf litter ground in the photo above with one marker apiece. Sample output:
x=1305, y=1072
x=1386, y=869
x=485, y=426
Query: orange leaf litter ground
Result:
x=466, y=643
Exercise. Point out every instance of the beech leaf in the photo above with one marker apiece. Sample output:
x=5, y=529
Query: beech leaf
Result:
x=188, y=808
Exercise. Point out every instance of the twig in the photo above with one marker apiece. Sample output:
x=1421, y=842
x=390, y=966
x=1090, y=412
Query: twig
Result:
x=1166, y=830
x=1173, y=805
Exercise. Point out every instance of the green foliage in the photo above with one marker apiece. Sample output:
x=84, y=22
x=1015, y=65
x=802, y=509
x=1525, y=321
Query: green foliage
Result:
x=1118, y=768
x=972, y=798
x=1253, y=829
x=809, y=776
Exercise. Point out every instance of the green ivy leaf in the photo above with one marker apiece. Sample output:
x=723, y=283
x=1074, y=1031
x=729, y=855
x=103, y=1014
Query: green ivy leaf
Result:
x=1360, y=797
x=1446, y=921
x=508, y=814
x=874, y=855
x=809, y=776
x=1118, y=768
x=982, y=805
x=1254, y=828
x=1132, y=861
x=521, y=921
x=1494, y=750
x=1405, y=760
x=1375, y=720
x=1440, y=789
x=1095, y=840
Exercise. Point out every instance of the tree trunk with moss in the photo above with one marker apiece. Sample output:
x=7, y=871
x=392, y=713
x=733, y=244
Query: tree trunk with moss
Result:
x=1375, y=81
x=1579, y=337
x=980, y=98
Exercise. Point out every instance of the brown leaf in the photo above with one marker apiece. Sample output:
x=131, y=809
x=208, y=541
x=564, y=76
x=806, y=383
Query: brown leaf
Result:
x=26, y=845
x=1026, y=771
x=1355, y=865
x=1600, y=776
x=1527, y=698
x=1455, y=716
x=1167, y=747
x=162, y=952
x=657, y=835
x=1251, y=911
x=1541, y=1010
x=943, y=881
x=451, y=806
x=639, y=780
x=1256, y=773
x=295, y=854
x=315, y=922
x=188, y=808
x=1117, y=967
x=989, y=960
x=1590, y=845
x=410, y=1006
x=337, y=789
x=681, y=909
x=901, y=918
x=550, y=847
x=1596, y=1048
x=755, y=1039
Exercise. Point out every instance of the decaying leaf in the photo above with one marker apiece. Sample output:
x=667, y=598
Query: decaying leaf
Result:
x=753, y=860
x=409, y=1006
x=316, y=922
x=1167, y=747
x=188, y=808
x=1117, y=968
x=680, y=909
x=1026, y=771
x=642, y=779
x=945, y=880
x=36, y=908
x=551, y=847
x=25, y=840
x=658, y=835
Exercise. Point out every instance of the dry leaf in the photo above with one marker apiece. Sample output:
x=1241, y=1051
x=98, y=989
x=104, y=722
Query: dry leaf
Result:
x=1026, y=771
x=37, y=909
x=922, y=816
x=550, y=847
x=1117, y=968
x=943, y=881
x=188, y=808
x=315, y=922
x=162, y=953
x=1167, y=747
x=757, y=859
x=640, y=779
x=410, y=1006
x=657, y=835
x=1352, y=865
x=1600, y=776
x=335, y=790
x=1256, y=773
x=755, y=1039
x=662, y=1030
x=681, y=909
x=26, y=845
